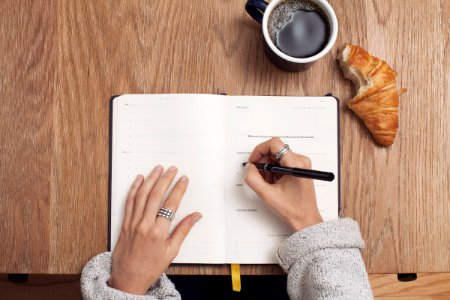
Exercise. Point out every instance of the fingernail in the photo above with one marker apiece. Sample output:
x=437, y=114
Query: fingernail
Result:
x=172, y=168
x=247, y=165
x=157, y=168
x=183, y=178
x=198, y=216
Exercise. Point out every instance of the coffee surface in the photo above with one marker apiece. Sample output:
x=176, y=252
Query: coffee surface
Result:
x=298, y=28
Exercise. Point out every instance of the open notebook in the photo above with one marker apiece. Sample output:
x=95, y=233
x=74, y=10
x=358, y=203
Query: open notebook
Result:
x=208, y=137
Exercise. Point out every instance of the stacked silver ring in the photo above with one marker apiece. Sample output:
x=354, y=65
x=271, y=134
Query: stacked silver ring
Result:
x=166, y=213
x=282, y=152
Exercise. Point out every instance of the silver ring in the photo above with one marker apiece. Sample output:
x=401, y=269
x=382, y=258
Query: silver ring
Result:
x=282, y=152
x=166, y=213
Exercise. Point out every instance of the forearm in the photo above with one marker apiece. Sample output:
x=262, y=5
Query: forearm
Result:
x=324, y=262
x=95, y=276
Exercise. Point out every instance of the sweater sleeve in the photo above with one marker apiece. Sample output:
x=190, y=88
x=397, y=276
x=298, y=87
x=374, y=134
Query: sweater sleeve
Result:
x=96, y=274
x=324, y=262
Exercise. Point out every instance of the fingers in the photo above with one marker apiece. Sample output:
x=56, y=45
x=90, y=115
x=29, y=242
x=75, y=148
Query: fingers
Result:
x=299, y=161
x=157, y=195
x=173, y=201
x=266, y=175
x=142, y=194
x=270, y=148
x=130, y=200
x=255, y=181
x=180, y=232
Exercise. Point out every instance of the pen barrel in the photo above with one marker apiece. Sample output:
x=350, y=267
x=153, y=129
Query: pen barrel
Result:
x=305, y=173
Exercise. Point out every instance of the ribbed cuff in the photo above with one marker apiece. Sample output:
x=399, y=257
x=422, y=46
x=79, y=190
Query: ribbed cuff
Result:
x=340, y=233
x=97, y=272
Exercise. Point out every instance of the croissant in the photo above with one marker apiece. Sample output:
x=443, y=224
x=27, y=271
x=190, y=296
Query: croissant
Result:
x=376, y=102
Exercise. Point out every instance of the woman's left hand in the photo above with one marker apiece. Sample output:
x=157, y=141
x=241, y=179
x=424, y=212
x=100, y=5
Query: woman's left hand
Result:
x=144, y=249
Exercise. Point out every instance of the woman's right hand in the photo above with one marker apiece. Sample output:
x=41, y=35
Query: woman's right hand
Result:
x=293, y=199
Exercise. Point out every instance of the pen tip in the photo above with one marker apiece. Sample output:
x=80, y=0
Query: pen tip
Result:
x=243, y=164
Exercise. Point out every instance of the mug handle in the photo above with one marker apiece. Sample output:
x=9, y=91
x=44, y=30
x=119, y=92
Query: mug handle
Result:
x=256, y=8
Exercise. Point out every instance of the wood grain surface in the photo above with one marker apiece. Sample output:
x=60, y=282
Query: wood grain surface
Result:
x=426, y=284
x=384, y=286
x=61, y=61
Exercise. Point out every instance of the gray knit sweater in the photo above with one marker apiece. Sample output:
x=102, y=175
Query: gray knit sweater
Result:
x=322, y=261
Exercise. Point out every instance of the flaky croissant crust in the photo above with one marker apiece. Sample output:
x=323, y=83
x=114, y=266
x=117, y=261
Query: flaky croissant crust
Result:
x=376, y=101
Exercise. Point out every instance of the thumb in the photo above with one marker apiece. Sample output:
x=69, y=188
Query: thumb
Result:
x=255, y=181
x=181, y=231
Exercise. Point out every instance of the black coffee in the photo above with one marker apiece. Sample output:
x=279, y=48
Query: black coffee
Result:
x=298, y=28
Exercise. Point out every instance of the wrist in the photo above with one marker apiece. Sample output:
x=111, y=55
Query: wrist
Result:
x=125, y=286
x=308, y=221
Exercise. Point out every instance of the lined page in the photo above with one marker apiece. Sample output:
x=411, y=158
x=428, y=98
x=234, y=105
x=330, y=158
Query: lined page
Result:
x=183, y=130
x=309, y=126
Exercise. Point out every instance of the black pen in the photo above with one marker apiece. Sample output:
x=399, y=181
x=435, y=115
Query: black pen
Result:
x=297, y=172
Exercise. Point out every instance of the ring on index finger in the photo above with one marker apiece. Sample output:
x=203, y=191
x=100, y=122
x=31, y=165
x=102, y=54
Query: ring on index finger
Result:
x=282, y=152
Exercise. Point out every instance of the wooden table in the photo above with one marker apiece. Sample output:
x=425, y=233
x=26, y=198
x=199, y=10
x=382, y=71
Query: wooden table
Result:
x=61, y=61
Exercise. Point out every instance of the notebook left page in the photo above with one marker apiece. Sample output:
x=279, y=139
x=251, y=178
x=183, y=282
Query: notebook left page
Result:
x=183, y=130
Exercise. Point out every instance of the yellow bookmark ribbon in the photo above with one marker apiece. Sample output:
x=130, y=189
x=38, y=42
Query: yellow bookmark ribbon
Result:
x=236, y=277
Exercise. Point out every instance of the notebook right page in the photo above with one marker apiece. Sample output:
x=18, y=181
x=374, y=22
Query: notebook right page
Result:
x=310, y=126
